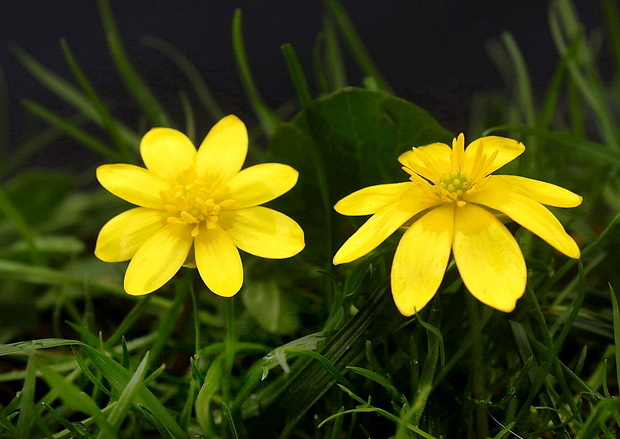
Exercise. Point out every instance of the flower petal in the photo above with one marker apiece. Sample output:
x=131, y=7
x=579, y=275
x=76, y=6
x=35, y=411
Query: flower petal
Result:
x=121, y=237
x=263, y=232
x=381, y=225
x=134, y=184
x=371, y=199
x=507, y=150
x=488, y=258
x=218, y=261
x=158, y=259
x=545, y=193
x=261, y=183
x=223, y=151
x=434, y=157
x=529, y=213
x=421, y=258
x=167, y=152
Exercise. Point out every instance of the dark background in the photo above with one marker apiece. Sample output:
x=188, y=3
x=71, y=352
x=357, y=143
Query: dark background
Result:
x=432, y=52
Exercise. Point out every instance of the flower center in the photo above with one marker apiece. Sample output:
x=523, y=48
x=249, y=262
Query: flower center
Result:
x=194, y=201
x=453, y=187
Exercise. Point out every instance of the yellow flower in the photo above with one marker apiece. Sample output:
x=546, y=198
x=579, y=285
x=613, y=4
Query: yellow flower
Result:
x=195, y=209
x=451, y=205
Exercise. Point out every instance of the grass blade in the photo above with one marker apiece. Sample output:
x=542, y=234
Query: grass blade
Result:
x=119, y=378
x=26, y=405
x=104, y=115
x=125, y=400
x=268, y=120
x=76, y=399
x=356, y=47
x=297, y=75
x=135, y=85
x=71, y=129
x=190, y=71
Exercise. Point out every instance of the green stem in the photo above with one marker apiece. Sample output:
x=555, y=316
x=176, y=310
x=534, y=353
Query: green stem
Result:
x=231, y=342
x=477, y=370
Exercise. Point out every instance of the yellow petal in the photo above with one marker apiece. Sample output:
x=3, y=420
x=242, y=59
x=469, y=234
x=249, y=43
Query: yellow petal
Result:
x=167, y=152
x=134, y=184
x=261, y=183
x=263, y=232
x=507, y=150
x=158, y=259
x=121, y=237
x=371, y=199
x=435, y=158
x=544, y=193
x=381, y=225
x=488, y=258
x=421, y=258
x=218, y=261
x=223, y=151
x=529, y=213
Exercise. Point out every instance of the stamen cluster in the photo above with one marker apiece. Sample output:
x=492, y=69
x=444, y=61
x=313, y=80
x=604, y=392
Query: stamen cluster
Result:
x=453, y=187
x=194, y=201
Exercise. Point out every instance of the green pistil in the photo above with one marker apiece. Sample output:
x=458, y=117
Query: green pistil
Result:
x=453, y=187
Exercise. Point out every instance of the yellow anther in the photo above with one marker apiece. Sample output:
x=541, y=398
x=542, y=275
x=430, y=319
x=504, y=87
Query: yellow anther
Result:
x=196, y=202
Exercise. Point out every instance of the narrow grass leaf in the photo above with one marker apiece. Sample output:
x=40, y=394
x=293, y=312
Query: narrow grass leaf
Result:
x=71, y=429
x=337, y=427
x=26, y=403
x=66, y=91
x=119, y=378
x=126, y=398
x=367, y=408
x=601, y=413
x=565, y=28
x=129, y=320
x=87, y=335
x=28, y=347
x=6, y=425
x=47, y=276
x=231, y=421
x=268, y=120
x=103, y=113
x=191, y=72
x=161, y=427
x=71, y=129
x=464, y=348
x=335, y=69
x=82, y=362
x=395, y=395
x=134, y=84
x=297, y=75
x=355, y=45
x=16, y=219
x=55, y=83
x=212, y=383
x=76, y=399
x=615, y=307
x=590, y=150
x=167, y=323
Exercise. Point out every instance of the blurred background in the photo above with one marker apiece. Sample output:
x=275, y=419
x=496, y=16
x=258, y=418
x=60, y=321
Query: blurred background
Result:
x=432, y=53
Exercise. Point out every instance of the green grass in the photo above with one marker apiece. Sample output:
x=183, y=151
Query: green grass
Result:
x=307, y=349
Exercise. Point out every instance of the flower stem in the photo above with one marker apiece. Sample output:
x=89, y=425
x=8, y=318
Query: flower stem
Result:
x=477, y=370
x=231, y=341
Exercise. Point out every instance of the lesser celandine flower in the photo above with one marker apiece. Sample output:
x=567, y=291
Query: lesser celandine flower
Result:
x=451, y=205
x=196, y=208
